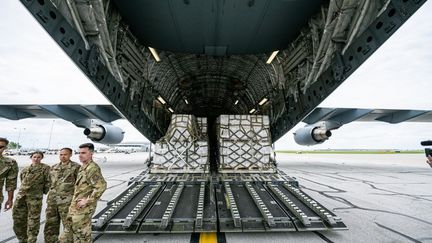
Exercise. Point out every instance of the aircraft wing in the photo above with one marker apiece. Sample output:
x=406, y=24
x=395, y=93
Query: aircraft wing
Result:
x=321, y=121
x=346, y=115
x=80, y=115
x=107, y=113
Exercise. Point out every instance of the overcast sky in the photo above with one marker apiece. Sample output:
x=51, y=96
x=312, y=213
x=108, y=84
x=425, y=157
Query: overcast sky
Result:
x=34, y=70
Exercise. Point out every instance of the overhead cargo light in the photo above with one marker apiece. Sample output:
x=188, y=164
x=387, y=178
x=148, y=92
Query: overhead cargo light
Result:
x=161, y=100
x=236, y=102
x=252, y=111
x=155, y=54
x=171, y=110
x=263, y=101
x=272, y=56
x=186, y=101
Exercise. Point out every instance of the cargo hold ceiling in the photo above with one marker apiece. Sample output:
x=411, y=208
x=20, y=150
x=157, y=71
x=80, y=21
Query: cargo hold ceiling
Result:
x=217, y=27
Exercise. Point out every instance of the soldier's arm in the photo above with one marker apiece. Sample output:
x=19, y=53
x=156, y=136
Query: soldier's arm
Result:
x=11, y=179
x=11, y=184
x=21, y=175
x=77, y=168
x=47, y=180
x=99, y=185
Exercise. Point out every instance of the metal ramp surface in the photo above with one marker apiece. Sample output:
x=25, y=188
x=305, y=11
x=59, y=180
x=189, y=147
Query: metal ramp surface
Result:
x=187, y=203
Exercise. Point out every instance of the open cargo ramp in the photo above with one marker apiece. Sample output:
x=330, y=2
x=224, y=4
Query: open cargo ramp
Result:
x=187, y=203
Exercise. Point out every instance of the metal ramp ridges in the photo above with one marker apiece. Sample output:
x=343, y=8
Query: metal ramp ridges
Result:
x=200, y=208
x=160, y=203
x=232, y=205
x=140, y=206
x=312, y=204
x=171, y=206
x=260, y=204
x=115, y=207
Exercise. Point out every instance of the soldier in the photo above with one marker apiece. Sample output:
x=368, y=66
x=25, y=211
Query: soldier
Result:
x=89, y=187
x=8, y=173
x=63, y=177
x=429, y=160
x=26, y=211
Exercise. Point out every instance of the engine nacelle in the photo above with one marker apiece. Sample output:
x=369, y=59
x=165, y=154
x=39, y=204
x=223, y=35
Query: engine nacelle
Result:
x=106, y=134
x=311, y=135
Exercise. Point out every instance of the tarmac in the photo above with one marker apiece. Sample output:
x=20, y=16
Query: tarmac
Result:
x=380, y=197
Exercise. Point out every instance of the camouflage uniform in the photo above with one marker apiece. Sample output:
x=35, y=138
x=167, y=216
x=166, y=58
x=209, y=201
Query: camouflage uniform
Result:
x=90, y=184
x=26, y=211
x=63, y=178
x=8, y=173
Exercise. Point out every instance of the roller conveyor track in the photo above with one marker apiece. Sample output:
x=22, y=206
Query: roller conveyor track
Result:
x=178, y=203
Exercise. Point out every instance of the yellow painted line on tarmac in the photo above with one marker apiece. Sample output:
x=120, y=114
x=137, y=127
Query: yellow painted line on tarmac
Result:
x=210, y=237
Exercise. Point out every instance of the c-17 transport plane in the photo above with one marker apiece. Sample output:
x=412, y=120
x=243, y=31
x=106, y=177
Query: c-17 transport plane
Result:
x=214, y=84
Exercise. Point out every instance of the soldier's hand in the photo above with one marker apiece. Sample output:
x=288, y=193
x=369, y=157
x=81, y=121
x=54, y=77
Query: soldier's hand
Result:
x=429, y=161
x=8, y=205
x=81, y=203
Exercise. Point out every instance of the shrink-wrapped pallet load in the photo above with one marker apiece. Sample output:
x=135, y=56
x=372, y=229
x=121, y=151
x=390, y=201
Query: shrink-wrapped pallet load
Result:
x=183, y=149
x=244, y=144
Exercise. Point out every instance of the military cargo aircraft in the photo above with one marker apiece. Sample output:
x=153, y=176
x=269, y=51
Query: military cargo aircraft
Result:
x=213, y=84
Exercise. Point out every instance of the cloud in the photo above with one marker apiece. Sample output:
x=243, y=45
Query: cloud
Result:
x=30, y=58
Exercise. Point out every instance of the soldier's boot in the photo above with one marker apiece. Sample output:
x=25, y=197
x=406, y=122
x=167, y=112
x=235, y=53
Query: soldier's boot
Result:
x=34, y=210
x=52, y=223
x=19, y=216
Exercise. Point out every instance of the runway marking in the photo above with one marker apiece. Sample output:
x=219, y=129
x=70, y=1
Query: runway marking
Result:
x=8, y=239
x=208, y=237
x=399, y=233
x=352, y=205
x=372, y=185
x=211, y=237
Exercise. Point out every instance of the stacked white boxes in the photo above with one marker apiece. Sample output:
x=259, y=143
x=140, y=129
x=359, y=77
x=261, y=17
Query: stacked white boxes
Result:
x=183, y=149
x=202, y=124
x=244, y=144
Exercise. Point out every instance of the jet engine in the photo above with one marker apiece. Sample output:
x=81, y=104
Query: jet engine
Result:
x=312, y=135
x=105, y=133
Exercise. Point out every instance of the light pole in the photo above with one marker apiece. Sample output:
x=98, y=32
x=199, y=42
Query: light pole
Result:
x=19, y=137
x=49, y=141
